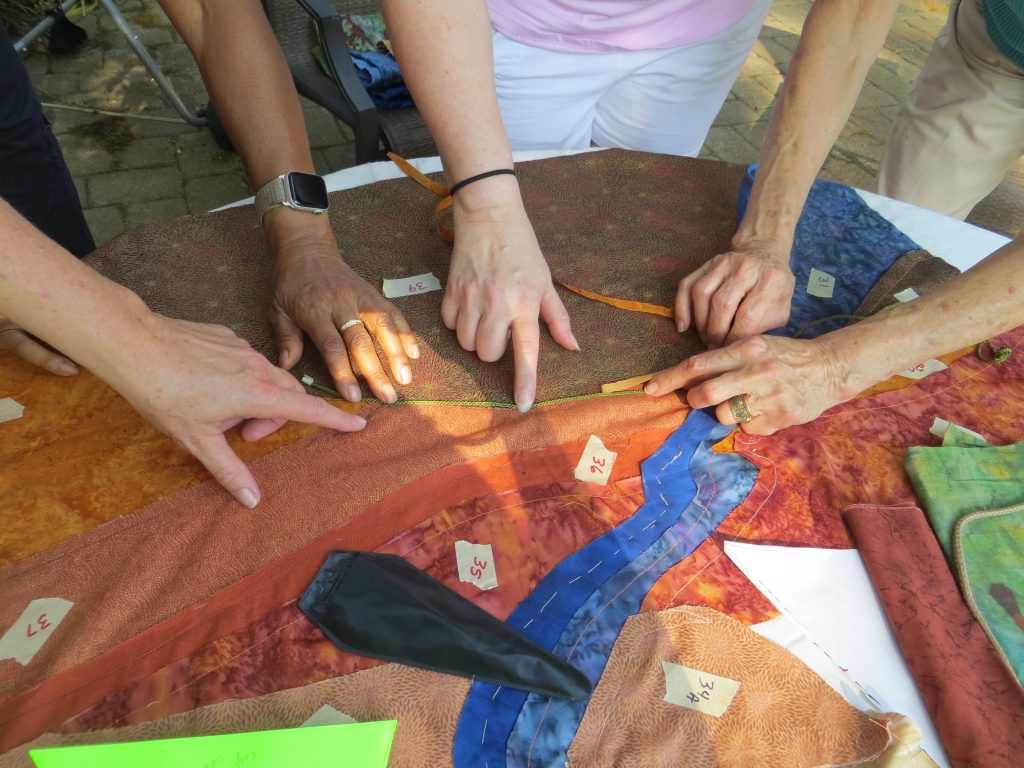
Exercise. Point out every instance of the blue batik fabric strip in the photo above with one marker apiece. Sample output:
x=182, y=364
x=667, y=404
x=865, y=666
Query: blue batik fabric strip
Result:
x=490, y=711
x=546, y=726
x=840, y=234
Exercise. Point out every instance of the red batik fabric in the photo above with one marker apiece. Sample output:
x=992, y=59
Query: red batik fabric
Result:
x=975, y=702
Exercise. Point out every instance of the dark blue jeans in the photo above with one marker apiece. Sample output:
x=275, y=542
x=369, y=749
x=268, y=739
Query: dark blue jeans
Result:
x=33, y=176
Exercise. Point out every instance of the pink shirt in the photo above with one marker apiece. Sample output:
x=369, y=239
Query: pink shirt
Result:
x=603, y=26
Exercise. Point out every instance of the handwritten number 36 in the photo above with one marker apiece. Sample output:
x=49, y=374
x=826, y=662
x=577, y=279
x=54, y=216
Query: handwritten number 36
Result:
x=597, y=465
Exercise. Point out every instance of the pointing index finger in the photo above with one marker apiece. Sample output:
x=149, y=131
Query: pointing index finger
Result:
x=526, y=347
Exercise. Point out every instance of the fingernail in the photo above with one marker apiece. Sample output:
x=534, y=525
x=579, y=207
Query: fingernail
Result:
x=526, y=403
x=414, y=351
x=404, y=374
x=651, y=388
x=360, y=422
x=352, y=393
x=65, y=368
x=390, y=396
x=576, y=348
x=248, y=497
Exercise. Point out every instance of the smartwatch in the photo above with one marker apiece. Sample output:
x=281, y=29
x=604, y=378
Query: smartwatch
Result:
x=301, y=191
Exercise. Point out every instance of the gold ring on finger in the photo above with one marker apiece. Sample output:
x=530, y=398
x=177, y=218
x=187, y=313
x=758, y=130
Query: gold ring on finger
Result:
x=740, y=409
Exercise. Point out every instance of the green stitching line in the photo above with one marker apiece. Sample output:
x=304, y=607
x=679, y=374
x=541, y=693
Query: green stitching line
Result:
x=477, y=403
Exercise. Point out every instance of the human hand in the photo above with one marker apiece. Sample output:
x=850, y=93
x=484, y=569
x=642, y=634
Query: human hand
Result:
x=28, y=348
x=497, y=286
x=784, y=381
x=194, y=382
x=316, y=292
x=737, y=294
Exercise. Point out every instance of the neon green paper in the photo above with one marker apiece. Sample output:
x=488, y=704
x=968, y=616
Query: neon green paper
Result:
x=350, y=745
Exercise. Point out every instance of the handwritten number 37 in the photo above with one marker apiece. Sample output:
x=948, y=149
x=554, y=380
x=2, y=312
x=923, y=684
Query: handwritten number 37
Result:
x=42, y=622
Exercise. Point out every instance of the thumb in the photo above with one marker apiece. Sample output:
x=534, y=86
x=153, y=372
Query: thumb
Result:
x=227, y=469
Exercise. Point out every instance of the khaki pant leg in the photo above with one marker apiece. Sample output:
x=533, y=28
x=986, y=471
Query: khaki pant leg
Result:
x=961, y=127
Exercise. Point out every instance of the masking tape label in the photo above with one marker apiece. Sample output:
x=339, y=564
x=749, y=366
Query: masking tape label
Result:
x=476, y=564
x=907, y=294
x=595, y=465
x=10, y=409
x=821, y=284
x=698, y=690
x=407, y=286
x=33, y=628
x=327, y=715
x=922, y=370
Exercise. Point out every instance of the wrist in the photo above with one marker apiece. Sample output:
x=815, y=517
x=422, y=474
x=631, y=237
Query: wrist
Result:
x=290, y=233
x=843, y=371
x=495, y=196
x=775, y=248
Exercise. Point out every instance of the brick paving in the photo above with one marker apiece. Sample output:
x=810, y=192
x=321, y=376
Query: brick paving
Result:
x=129, y=170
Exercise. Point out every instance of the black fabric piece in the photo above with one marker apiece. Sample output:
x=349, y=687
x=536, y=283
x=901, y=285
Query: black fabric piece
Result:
x=381, y=606
x=34, y=179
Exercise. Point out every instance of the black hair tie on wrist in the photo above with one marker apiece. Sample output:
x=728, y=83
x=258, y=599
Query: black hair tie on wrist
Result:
x=479, y=176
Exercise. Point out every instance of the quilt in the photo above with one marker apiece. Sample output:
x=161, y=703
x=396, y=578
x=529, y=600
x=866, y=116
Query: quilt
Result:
x=188, y=603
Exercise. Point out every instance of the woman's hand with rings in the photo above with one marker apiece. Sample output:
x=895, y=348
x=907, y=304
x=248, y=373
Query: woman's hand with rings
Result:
x=763, y=383
x=315, y=292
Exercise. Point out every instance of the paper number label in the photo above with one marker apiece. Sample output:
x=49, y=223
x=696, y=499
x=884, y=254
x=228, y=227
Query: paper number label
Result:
x=921, y=370
x=10, y=409
x=476, y=564
x=821, y=284
x=33, y=628
x=327, y=715
x=595, y=465
x=907, y=294
x=698, y=690
x=409, y=286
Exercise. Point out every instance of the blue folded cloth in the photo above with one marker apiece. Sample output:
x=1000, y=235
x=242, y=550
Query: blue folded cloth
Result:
x=382, y=79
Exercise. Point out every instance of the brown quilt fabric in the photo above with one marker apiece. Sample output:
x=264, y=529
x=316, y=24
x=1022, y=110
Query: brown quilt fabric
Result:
x=974, y=701
x=914, y=269
x=667, y=214
x=782, y=714
x=425, y=704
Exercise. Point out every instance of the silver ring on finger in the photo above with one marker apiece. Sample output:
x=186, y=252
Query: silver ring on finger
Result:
x=350, y=324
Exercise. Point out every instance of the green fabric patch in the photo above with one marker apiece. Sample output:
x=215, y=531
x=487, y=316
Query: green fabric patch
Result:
x=973, y=494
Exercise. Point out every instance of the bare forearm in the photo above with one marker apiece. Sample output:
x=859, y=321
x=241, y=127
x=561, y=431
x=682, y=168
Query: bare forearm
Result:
x=840, y=41
x=984, y=302
x=445, y=53
x=251, y=87
x=51, y=294
x=248, y=81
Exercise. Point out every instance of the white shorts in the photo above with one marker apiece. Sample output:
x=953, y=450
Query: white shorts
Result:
x=656, y=101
